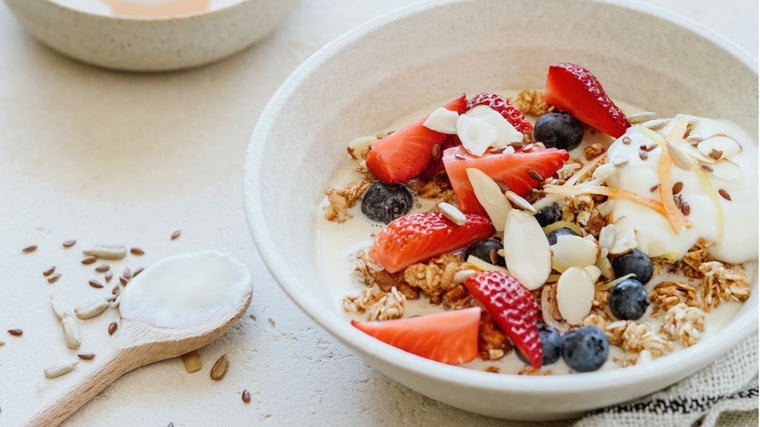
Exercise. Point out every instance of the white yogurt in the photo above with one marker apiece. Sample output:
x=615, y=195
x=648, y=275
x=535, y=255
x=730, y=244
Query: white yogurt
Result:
x=734, y=232
x=186, y=289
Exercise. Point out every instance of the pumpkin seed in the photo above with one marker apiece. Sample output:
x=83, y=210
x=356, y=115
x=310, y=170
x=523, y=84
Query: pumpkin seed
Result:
x=192, y=361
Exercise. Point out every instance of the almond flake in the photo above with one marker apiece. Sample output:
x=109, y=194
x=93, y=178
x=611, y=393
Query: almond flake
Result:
x=575, y=294
x=526, y=249
x=573, y=251
x=490, y=196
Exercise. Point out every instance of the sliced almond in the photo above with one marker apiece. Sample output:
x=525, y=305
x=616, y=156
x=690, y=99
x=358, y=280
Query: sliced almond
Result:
x=575, y=294
x=724, y=144
x=476, y=134
x=489, y=195
x=573, y=251
x=526, y=249
x=605, y=267
x=594, y=272
x=726, y=170
x=625, y=237
x=442, y=120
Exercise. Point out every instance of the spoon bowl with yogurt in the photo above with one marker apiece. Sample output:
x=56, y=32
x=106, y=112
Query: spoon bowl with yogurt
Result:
x=177, y=305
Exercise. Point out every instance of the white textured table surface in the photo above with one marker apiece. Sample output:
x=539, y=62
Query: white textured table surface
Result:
x=107, y=157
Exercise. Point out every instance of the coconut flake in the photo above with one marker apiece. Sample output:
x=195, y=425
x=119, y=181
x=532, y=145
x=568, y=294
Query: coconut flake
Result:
x=476, y=134
x=625, y=237
x=526, y=249
x=575, y=294
x=489, y=196
x=506, y=133
x=573, y=251
x=442, y=120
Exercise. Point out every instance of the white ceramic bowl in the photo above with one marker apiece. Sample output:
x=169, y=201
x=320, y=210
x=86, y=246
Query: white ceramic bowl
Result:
x=148, y=44
x=428, y=53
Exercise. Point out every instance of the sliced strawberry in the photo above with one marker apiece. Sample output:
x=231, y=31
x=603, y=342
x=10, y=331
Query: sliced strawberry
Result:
x=572, y=88
x=419, y=236
x=448, y=337
x=497, y=102
x=517, y=170
x=405, y=153
x=512, y=307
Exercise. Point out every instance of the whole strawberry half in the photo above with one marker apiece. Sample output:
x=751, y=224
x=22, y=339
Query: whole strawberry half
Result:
x=517, y=170
x=448, y=337
x=512, y=307
x=405, y=153
x=573, y=89
x=420, y=236
x=497, y=102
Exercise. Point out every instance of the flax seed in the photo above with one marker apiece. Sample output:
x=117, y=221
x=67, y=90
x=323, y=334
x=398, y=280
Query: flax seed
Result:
x=246, y=396
x=48, y=271
x=53, y=277
x=685, y=208
x=95, y=284
x=460, y=156
x=123, y=280
x=28, y=249
x=108, y=276
x=112, y=327
x=69, y=243
x=535, y=175
x=723, y=193
x=715, y=154
x=89, y=260
x=176, y=234
x=677, y=187
x=436, y=151
x=16, y=332
x=127, y=273
x=138, y=251
x=654, y=187
x=86, y=356
x=116, y=290
x=137, y=271
x=643, y=155
x=102, y=268
x=707, y=168
x=627, y=140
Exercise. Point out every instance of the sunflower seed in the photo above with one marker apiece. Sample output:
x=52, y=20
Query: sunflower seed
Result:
x=462, y=275
x=452, y=213
x=519, y=201
x=59, y=368
x=680, y=158
x=108, y=252
x=91, y=308
x=219, y=368
x=59, y=308
x=71, y=331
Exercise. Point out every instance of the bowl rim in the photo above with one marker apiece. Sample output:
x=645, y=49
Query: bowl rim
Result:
x=695, y=358
x=157, y=20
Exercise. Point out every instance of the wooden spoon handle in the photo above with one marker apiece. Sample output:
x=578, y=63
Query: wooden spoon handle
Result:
x=67, y=400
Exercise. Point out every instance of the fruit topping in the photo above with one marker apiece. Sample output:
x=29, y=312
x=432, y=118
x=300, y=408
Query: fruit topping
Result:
x=419, y=236
x=512, y=307
x=634, y=262
x=500, y=104
x=520, y=171
x=551, y=345
x=572, y=88
x=549, y=215
x=448, y=337
x=405, y=153
x=628, y=300
x=386, y=202
x=585, y=349
x=487, y=250
x=560, y=130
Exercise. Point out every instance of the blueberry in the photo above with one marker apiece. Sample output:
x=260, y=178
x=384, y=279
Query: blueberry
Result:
x=551, y=344
x=386, y=202
x=558, y=232
x=487, y=250
x=549, y=215
x=559, y=130
x=585, y=349
x=635, y=262
x=628, y=300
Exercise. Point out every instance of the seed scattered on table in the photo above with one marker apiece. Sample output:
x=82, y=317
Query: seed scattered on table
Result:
x=95, y=284
x=48, y=271
x=246, y=396
x=102, y=268
x=723, y=193
x=123, y=280
x=89, y=260
x=219, y=368
x=91, y=308
x=69, y=243
x=28, y=249
x=71, y=331
x=176, y=234
x=16, y=332
x=137, y=271
x=136, y=251
x=53, y=277
x=107, y=252
x=116, y=290
x=127, y=273
x=192, y=361
x=112, y=327
x=57, y=369
x=86, y=356
x=108, y=276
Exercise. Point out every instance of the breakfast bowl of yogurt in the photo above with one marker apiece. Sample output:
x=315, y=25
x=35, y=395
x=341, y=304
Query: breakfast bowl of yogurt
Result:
x=520, y=225
x=150, y=35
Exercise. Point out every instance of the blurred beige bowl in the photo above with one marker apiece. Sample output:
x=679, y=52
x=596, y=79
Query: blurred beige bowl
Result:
x=156, y=35
x=431, y=52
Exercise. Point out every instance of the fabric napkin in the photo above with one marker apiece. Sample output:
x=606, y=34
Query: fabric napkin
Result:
x=723, y=394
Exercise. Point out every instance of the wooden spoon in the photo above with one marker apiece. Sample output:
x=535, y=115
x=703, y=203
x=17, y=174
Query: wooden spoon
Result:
x=136, y=344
